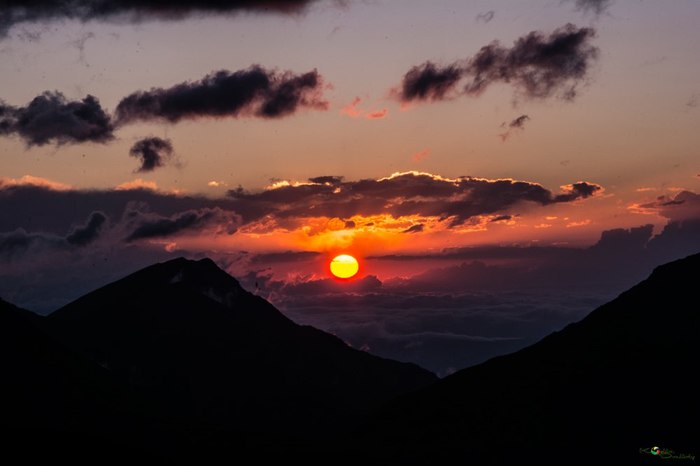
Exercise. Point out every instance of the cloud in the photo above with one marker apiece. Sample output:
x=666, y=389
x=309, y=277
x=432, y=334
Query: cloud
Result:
x=515, y=125
x=148, y=225
x=86, y=234
x=519, y=122
x=137, y=184
x=414, y=197
x=331, y=180
x=15, y=243
x=417, y=228
x=580, y=190
x=536, y=66
x=152, y=152
x=485, y=17
x=421, y=155
x=684, y=205
x=19, y=11
x=251, y=92
x=430, y=82
x=29, y=180
x=598, y=7
x=353, y=111
x=404, y=194
x=50, y=117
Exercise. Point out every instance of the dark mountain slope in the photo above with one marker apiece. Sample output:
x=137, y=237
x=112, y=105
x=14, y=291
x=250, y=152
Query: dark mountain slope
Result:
x=212, y=354
x=595, y=392
x=56, y=402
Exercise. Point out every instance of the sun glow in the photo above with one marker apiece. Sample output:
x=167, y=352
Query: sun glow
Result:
x=344, y=266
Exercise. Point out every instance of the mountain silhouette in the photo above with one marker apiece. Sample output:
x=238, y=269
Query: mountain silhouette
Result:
x=211, y=355
x=56, y=403
x=179, y=363
x=621, y=379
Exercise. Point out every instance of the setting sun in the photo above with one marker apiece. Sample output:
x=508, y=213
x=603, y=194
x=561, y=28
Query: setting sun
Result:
x=344, y=266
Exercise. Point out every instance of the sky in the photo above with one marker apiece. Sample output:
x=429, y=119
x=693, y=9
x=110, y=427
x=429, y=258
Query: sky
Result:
x=499, y=168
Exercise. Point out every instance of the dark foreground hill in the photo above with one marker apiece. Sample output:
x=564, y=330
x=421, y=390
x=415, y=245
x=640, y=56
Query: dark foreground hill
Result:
x=56, y=403
x=622, y=379
x=212, y=355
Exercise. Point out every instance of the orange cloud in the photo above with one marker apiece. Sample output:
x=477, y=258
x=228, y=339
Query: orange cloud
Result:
x=138, y=183
x=422, y=155
x=353, y=111
x=29, y=180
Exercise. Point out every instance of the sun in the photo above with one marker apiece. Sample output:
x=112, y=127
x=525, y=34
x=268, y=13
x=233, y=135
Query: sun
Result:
x=344, y=266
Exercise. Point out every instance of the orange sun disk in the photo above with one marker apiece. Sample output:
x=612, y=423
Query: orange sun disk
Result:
x=344, y=266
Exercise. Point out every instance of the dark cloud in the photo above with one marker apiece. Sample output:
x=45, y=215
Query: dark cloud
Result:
x=15, y=244
x=596, y=6
x=683, y=206
x=537, y=66
x=501, y=218
x=327, y=180
x=417, y=228
x=152, y=152
x=485, y=17
x=429, y=82
x=403, y=194
x=251, y=92
x=519, y=122
x=50, y=117
x=454, y=201
x=580, y=190
x=149, y=225
x=86, y=234
x=18, y=11
x=349, y=224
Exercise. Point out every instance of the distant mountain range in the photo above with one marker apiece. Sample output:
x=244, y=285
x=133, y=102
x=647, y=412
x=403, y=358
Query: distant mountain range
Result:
x=178, y=362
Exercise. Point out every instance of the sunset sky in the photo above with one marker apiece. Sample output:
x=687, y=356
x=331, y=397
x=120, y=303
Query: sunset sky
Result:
x=542, y=152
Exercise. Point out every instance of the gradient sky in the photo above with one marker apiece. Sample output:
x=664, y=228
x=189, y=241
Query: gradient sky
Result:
x=629, y=135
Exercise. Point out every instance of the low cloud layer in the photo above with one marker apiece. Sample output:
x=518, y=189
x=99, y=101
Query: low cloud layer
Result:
x=149, y=225
x=410, y=193
x=18, y=11
x=536, y=66
x=13, y=244
x=152, y=153
x=251, y=92
x=51, y=117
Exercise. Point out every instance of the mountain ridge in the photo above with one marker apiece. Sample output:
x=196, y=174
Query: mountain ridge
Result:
x=626, y=363
x=222, y=356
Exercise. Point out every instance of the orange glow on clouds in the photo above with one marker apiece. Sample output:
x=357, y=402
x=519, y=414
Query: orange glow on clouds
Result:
x=353, y=111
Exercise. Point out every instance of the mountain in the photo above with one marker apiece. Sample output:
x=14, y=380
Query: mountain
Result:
x=621, y=379
x=54, y=398
x=210, y=355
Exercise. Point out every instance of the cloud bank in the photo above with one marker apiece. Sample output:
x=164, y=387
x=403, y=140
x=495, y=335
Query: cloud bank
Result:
x=409, y=193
